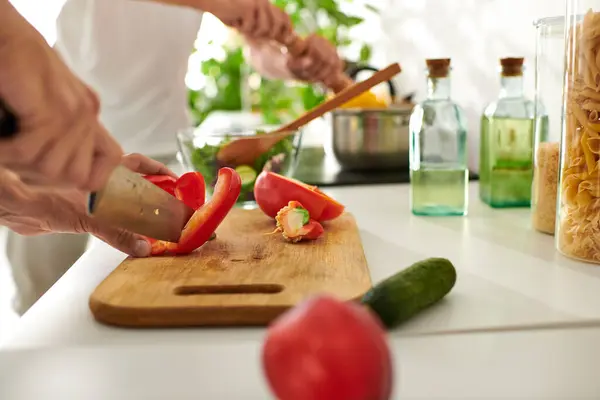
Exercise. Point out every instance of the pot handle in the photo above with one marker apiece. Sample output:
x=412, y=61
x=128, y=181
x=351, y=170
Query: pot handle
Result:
x=352, y=69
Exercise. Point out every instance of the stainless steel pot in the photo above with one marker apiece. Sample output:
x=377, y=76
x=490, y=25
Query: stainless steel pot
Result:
x=371, y=139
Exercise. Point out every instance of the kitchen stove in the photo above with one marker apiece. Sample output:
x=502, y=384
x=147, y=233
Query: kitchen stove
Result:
x=316, y=167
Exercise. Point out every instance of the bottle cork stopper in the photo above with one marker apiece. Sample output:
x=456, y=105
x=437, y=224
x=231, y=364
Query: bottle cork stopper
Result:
x=512, y=66
x=438, y=67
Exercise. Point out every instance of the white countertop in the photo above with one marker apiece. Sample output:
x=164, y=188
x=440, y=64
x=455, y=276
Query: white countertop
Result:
x=508, y=276
x=550, y=365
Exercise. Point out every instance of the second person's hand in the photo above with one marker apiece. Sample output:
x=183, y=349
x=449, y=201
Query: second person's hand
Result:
x=320, y=62
x=60, y=141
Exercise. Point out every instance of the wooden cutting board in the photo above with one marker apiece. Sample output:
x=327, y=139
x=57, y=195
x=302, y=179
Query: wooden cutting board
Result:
x=243, y=277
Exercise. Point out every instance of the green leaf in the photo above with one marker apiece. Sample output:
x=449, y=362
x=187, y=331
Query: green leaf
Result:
x=365, y=53
x=372, y=8
x=353, y=21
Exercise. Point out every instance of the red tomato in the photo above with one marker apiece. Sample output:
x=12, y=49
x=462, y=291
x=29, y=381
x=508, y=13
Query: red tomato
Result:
x=273, y=192
x=325, y=349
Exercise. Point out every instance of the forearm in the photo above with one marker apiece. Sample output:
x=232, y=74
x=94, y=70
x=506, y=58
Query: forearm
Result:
x=12, y=24
x=17, y=38
x=203, y=5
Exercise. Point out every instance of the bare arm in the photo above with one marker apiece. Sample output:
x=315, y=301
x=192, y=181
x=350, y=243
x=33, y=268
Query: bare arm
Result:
x=60, y=140
x=12, y=24
x=215, y=7
x=266, y=55
x=197, y=4
x=264, y=26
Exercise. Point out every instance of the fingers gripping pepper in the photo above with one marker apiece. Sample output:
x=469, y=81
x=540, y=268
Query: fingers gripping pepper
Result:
x=294, y=223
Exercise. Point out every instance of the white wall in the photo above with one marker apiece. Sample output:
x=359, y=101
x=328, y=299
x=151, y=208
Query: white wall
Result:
x=474, y=33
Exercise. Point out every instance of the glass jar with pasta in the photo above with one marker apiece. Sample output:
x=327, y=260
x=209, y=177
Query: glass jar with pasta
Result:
x=578, y=219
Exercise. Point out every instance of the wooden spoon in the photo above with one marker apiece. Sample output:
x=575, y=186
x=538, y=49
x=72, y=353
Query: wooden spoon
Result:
x=246, y=150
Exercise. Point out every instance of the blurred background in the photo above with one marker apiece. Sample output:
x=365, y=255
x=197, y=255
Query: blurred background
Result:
x=473, y=33
x=225, y=93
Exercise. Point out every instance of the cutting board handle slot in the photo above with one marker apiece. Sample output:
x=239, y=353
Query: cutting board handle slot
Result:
x=255, y=288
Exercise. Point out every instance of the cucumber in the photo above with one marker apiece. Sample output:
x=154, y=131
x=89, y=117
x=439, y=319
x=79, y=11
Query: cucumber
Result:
x=247, y=174
x=401, y=296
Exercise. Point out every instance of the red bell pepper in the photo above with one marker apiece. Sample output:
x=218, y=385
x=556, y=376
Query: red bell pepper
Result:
x=203, y=223
x=191, y=189
x=165, y=182
x=158, y=247
x=207, y=218
x=295, y=224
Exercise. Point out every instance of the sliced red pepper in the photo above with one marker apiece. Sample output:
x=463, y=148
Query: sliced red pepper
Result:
x=158, y=247
x=205, y=221
x=295, y=224
x=191, y=189
x=165, y=182
x=207, y=218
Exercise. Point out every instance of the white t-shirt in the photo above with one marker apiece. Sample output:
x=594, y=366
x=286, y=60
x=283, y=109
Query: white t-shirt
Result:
x=134, y=54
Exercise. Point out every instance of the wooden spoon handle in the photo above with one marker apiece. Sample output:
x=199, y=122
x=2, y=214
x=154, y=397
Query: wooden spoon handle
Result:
x=342, y=97
x=297, y=47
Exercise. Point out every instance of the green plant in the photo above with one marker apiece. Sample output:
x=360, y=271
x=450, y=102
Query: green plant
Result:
x=276, y=100
x=224, y=77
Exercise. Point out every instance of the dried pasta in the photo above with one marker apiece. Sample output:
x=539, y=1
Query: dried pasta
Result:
x=579, y=229
x=545, y=185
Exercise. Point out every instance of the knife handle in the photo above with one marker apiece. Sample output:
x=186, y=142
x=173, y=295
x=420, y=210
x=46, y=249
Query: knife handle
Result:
x=9, y=125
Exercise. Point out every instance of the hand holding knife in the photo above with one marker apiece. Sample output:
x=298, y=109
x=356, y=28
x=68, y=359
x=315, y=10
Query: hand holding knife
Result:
x=127, y=200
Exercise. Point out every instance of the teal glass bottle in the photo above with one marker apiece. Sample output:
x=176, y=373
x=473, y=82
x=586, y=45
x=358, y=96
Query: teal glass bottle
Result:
x=507, y=141
x=438, y=149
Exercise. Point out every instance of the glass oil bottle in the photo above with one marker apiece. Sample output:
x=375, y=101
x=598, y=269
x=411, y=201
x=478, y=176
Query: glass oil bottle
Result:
x=506, y=142
x=438, y=149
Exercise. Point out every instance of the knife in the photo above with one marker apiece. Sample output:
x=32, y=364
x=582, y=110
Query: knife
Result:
x=135, y=204
x=128, y=200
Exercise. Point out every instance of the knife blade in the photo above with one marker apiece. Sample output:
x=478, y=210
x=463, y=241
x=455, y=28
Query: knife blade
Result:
x=133, y=203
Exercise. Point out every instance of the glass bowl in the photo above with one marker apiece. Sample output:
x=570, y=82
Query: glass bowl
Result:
x=198, y=152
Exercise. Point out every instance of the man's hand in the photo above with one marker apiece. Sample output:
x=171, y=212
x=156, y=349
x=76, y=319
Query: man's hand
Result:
x=33, y=211
x=319, y=62
x=60, y=140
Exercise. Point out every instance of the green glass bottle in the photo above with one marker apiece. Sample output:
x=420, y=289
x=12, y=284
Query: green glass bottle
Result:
x=438, y=149
x=506, y=142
